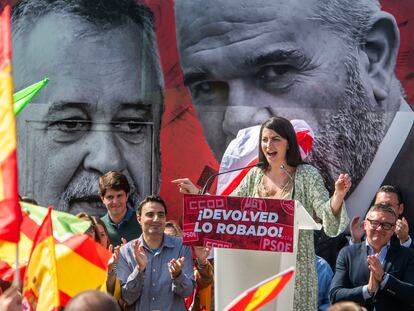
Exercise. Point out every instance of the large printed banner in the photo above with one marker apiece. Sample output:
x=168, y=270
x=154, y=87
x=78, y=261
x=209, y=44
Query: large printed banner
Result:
x=225, y=66
x=241, y=223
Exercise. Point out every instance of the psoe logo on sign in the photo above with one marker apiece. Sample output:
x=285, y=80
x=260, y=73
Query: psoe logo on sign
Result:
x=216, y=243
x=188, y=233
x=275, y=245
x=201, y=203
x=255, y=204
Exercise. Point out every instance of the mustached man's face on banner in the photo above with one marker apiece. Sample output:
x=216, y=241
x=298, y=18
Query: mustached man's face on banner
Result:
x=252, y=60
x=90, y=118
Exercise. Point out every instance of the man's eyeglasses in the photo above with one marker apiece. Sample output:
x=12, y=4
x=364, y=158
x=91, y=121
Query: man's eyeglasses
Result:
x=384, y=225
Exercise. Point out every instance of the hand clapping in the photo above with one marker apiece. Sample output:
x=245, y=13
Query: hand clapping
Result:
x=175, y=266
x=140, y=256
x=114, y=259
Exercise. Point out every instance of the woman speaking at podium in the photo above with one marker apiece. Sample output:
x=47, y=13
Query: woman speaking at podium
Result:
x=285, y=176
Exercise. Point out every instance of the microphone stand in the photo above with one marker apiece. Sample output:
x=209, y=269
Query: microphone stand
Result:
x=203, y=191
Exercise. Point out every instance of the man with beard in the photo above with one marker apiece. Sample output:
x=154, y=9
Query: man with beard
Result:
x=330, y=63
x=102, y=108
x=120, y=221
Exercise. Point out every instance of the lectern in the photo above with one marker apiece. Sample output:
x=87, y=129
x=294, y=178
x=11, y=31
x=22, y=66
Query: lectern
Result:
x=239, y=269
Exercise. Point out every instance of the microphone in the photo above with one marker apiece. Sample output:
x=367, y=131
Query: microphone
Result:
x=211, y=178
x=283, y=168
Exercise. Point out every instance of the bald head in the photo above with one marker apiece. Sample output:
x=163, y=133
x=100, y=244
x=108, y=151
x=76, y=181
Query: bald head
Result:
x=92, y=300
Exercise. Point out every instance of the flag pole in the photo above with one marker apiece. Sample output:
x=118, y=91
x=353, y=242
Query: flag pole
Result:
x=16, y=280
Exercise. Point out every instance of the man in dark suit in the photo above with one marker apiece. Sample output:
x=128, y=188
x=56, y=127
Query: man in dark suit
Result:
x=377, y=274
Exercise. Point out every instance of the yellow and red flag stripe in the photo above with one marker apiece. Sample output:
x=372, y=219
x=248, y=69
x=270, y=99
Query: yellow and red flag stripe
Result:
x=40, y=286
x=262, y=293
x=64, y=227
x=81, y=265
x=28, y=231
x=10, y=214
x=80, y=262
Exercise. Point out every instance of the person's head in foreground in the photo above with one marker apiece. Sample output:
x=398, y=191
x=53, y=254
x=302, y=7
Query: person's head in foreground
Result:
x=92, y=300
x=346, y=306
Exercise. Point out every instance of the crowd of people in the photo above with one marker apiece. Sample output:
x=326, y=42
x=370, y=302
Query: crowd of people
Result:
x=151, y=269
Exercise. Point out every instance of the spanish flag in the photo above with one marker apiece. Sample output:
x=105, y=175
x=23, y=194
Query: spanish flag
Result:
x=10, y=214
x=64, y=227
x=79, y=263
x=40, y=286
x=262, y=293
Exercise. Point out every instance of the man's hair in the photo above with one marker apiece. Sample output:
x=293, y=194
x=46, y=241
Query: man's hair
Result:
x=97, y=221
x=284, y=128
x=92, y=300
x=113, y=180
x=103, y=14
x=92, y=227
x=151, y=198
x=391, y=189
x=351, y=19
x=382, y=207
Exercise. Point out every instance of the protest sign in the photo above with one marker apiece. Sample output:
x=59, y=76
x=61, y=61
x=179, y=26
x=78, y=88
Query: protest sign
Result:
x=236, y=222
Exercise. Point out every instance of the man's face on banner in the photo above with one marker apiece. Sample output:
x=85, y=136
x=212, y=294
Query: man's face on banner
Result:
x=90, y=118
x=256, y=59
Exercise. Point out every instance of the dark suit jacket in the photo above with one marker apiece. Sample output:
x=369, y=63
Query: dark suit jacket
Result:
x=352, y=274
x=401, y=174
x=395, y=240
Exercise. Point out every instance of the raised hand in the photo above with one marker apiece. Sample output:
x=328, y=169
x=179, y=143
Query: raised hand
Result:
x=357, y=230
x=175, y=266
x=140, y=256
x=343, y=184
x=11, y=299
x=402, y=230
x=185, y=185
x=201, y=254
x=113, y=260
